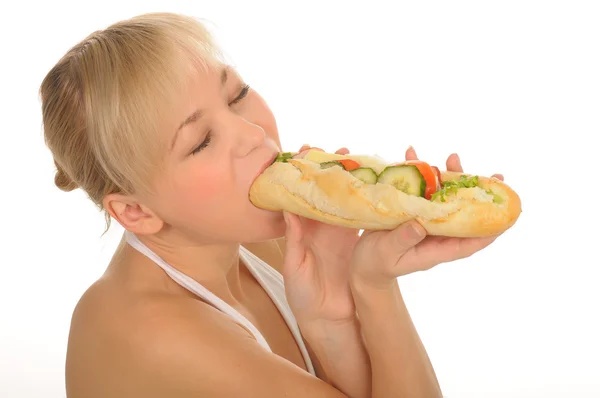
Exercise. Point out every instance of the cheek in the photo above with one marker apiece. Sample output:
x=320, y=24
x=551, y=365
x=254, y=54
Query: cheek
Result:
x=200, y=192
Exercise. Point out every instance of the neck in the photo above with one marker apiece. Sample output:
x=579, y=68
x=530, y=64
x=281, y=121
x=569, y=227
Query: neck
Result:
x=215, y=266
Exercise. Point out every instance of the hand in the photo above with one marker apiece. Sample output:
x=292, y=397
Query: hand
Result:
x=381, y=256
x=305, y=148
x=316, y=267
x=452, y=163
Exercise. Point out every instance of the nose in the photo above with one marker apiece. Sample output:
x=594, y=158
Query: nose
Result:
x=248, y=136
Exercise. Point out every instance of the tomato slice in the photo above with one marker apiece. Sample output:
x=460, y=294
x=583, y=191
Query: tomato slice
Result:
x=349, y=164
x=438, y=185
x=428, y=174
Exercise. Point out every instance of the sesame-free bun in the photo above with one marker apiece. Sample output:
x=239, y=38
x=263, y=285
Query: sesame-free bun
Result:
x=334, y=196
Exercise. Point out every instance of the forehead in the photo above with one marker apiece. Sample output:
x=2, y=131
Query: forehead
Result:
x=206, y=84
x=211, y=76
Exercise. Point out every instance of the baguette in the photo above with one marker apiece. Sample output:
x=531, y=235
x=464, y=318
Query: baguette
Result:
x=459, y=205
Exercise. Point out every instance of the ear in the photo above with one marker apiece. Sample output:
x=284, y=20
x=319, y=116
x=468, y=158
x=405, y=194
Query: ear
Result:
x=132, y=215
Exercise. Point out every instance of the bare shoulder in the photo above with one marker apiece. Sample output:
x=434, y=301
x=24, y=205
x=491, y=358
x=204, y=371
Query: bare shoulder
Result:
x=173, y=346
x=114, y=332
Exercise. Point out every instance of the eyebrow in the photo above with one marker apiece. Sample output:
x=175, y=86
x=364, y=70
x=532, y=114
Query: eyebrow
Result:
x=197, y=114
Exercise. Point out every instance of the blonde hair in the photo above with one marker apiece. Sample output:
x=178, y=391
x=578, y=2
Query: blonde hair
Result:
x=104, y=103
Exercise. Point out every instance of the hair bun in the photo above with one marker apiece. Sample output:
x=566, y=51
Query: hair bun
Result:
x=63, y=181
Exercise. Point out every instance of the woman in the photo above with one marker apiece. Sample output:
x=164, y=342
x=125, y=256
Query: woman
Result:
x=163, y=136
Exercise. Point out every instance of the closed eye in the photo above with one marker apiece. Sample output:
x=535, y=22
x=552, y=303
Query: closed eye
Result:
x=241, y=95
x=203, y=144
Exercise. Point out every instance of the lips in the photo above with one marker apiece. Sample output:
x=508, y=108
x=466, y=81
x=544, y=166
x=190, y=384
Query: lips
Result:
x=269, y=162
x=266, y=164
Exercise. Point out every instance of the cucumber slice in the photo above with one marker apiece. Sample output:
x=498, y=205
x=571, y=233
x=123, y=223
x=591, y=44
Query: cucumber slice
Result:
x=365, y=174
x=405, y=178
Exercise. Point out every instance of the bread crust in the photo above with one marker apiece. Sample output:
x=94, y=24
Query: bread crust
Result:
x=333, y=195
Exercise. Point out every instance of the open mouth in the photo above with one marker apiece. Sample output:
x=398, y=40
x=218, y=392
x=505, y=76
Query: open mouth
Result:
x=265, y=165
x=269, y=162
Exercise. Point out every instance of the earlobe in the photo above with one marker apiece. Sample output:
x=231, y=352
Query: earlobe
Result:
x=132, y=215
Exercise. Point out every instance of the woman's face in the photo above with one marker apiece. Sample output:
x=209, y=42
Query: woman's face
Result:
x=219, y=141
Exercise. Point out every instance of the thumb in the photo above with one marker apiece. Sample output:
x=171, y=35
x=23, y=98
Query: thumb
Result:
x=295, y=250
x=404, y=237
x=378, y=259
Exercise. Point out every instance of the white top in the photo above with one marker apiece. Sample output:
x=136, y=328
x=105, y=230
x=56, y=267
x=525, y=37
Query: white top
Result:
x=270, y=280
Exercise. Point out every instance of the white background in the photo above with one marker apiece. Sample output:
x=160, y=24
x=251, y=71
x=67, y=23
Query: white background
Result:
x=512, y=86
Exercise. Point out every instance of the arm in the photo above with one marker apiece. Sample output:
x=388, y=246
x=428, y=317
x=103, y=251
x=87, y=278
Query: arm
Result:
x=336, y=347
x=400, y=364
x=340, y=356
x=387, y=360
x=390, y=361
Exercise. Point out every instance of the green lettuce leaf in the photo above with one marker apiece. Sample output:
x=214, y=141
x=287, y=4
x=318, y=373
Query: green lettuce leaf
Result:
x=283, y=157
x=449, y=187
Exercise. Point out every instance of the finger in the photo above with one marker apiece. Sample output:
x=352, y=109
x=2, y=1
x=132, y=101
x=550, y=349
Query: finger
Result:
x=293, y=227
x=342, y=151
x=385, y=250
x=439, y=249
x=411, y=154
x=453, y=163
x=294, y=247
x=310, y=148
x=304, y=150
x=498, y=176
x=404, y=238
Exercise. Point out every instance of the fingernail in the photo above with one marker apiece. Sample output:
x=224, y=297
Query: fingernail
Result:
x=457, y=157
x=415, y=231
